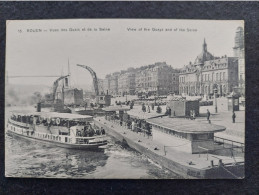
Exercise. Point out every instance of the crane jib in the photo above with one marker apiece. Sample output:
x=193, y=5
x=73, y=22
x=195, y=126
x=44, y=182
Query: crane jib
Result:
x=93, y=74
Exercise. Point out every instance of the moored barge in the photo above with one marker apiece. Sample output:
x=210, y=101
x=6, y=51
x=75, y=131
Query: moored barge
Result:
x=186, y=147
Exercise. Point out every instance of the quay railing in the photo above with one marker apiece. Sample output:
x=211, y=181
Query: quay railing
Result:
x=206, y=149
x=234, y=144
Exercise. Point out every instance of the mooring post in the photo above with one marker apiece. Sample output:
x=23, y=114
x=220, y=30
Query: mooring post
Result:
x=164, y=151
x=220, y=162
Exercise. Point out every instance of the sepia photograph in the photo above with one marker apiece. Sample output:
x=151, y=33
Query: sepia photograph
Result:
x=125, y=99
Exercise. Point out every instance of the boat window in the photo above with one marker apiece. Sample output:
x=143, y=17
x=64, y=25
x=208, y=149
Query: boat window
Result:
x=65, y=139
x=194, y=137
x=200, y=136
x=210, y=136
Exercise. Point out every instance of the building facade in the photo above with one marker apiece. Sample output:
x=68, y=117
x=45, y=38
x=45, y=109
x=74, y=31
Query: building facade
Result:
x=156, y=79
x=126, y=83
x=239, y=52
x=175, y=81
x=106, y=84
x=207, y=73
x=73, y=96
x=114, y=83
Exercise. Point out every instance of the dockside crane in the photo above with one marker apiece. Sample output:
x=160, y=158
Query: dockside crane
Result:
x=55, y=86
x=101, y=99
x=93, y=74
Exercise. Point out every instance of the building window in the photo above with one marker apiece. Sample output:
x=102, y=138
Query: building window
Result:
x=224, y=76
x=217, y=76
x=208, y=77
x=220, y=76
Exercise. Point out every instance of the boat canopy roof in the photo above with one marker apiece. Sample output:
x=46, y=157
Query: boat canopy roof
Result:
x=25, y=113
x=116, y=108
x=66, y=116
x=185, y=126
x=143, y=115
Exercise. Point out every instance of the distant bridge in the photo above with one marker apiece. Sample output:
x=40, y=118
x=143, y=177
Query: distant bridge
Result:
x=22, y=76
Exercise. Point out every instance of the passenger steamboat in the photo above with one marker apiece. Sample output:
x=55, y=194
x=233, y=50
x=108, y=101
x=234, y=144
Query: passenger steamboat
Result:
x=60, y=129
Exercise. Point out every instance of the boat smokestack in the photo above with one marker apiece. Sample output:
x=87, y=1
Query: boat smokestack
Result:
x=39, y=107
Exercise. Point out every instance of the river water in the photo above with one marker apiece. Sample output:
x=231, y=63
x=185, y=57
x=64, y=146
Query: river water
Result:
x=25, y=158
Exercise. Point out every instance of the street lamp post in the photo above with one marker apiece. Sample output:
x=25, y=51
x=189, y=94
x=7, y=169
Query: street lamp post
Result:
x=215, y=98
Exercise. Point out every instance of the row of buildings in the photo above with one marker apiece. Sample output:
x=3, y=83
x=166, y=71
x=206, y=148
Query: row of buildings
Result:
x=159, y=78
x=200, y=77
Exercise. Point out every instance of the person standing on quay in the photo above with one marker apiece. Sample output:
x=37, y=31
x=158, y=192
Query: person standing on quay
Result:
x=133, y=125
x=208, y=115
x=233, y=117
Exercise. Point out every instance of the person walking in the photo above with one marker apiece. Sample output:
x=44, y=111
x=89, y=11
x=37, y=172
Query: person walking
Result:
x=208, y=115
x=193, y=115
x=102, y=131
x=233, y=117
x=133, y=125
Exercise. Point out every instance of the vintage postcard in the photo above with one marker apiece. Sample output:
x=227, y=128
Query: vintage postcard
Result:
x=125, y=98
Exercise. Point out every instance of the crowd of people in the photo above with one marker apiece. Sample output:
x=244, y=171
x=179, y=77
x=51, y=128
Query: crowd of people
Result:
x=89, y=131
x=133, y=124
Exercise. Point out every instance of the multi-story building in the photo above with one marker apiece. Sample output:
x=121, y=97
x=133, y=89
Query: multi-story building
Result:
x=175, y=81
x=126, y=83
x=207, y=73
x=114, y=83
x=155, y=79
x=101, y=86
x=239, y=52
x=106, y=84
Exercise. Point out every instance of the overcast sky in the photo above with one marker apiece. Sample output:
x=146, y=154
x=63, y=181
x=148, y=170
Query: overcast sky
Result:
x=47, y=53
